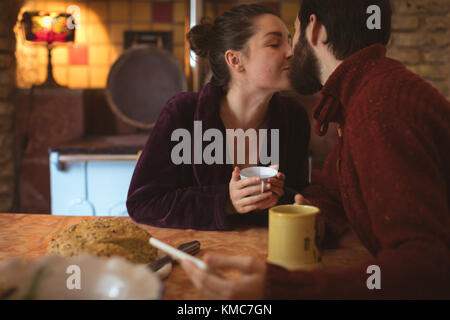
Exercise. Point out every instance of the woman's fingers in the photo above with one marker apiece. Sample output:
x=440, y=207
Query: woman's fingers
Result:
x=243, y=183
x=279, y=192
x=235, y=175
x=251, y=197
x=249, y=208
x=278, y=180
x=268, y=203
x=253, y=190
x=277, y=184
x=252, y=200
x=281, y=176
x=246, y=196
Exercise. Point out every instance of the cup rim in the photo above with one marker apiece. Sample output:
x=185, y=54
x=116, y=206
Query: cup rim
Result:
x=245, y=176
x=273, y=211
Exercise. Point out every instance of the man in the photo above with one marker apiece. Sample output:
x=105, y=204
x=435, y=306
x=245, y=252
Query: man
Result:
x=388, y=175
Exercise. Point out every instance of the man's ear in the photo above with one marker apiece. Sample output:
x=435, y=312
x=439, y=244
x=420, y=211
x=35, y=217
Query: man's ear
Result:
x=233, y=59
x=318, y=31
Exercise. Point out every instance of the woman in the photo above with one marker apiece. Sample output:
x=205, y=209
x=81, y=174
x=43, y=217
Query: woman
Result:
x=249, y=51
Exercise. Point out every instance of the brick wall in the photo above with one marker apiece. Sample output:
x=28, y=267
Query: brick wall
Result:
x=100, y=36
x=420, y=36
x=421, y=39
x=287, y=9
x=98, y=40
x=8, y=14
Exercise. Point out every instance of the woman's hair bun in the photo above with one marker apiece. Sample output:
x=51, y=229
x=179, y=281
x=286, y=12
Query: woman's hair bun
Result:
x=200, y=37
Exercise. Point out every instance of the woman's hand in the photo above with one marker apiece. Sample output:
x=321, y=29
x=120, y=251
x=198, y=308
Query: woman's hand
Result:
x=276, y=185
x=249, y=285
x=245, y=194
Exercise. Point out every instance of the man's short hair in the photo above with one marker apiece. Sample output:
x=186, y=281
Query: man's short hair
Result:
x=346, y=23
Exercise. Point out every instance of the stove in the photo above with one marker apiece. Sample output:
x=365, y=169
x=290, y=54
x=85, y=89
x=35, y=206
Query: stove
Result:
x=91, y=176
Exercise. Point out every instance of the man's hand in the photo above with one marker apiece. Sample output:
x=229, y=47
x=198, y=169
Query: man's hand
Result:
x=299, y=199
x=249, y=285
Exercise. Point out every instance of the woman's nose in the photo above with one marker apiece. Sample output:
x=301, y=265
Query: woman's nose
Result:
x=289, y=52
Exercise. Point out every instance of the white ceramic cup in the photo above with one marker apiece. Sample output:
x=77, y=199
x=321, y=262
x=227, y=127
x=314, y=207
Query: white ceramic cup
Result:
x=263, y=172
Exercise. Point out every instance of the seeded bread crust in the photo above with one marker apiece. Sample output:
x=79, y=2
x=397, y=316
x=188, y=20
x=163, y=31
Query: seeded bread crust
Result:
x=104, y=237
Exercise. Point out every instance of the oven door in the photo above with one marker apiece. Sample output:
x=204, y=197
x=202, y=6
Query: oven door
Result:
x=90, y=184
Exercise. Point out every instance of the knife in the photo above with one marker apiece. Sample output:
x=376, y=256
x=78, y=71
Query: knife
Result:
x=189, y=247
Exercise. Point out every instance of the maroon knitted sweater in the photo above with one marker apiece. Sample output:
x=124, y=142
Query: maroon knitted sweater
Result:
x=388, y=177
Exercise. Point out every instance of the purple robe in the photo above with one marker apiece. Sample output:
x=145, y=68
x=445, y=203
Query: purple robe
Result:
x=194, y=196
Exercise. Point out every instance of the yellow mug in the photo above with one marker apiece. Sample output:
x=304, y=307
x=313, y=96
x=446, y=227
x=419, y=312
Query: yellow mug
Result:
x=292, y=237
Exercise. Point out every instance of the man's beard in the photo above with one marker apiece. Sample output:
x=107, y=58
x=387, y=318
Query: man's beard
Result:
x=305, y=74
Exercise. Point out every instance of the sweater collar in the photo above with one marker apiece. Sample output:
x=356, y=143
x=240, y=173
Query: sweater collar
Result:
x=342, y=84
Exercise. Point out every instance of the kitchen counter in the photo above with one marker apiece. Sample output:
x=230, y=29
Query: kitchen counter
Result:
x=27, y=236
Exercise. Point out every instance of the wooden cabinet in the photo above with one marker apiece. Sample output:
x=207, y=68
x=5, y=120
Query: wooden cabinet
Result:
x=44, y=117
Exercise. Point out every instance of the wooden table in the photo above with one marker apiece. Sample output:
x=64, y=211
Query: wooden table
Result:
x=27, y=235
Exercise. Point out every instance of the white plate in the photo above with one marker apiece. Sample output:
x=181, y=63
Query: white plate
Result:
x=55, y=278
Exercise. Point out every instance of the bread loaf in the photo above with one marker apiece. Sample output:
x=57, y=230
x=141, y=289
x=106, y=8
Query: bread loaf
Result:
x=104, y=237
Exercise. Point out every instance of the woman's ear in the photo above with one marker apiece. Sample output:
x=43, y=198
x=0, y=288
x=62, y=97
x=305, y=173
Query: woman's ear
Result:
x=233, y=59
